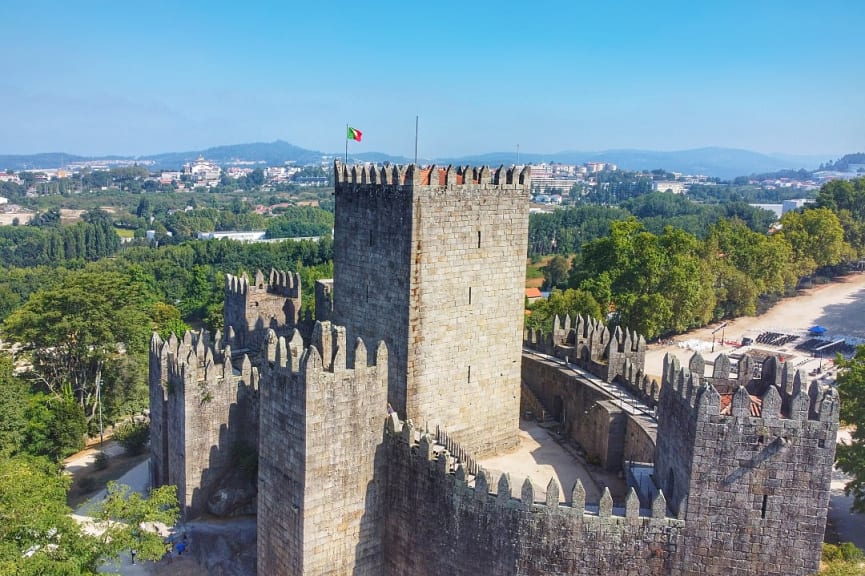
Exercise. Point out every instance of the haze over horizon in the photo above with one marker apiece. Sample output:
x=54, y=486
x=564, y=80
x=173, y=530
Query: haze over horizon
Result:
x=773, y=77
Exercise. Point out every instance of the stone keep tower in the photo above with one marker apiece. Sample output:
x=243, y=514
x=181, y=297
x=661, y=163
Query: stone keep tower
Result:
x=432, y=261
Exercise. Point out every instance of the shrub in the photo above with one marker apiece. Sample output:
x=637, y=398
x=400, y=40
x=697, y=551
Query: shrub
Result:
x=831, y=552
x=87, y=484
x=850, y=552
x=133, y=436
x=101, y=461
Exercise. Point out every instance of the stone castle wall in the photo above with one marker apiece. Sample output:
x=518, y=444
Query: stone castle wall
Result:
x=617, y=355
x=320, y=507
x=443, y=521
x=752, y=478
x=587, y=415
x=432, y=261
x=206, y=415
x=429, y=267
x=253, y=306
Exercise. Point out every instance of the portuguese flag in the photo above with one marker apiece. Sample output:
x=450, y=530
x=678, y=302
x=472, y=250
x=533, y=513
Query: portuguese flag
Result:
x=354, y=134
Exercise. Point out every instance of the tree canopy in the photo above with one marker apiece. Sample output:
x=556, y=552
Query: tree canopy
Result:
x=851, y=457
x=38, y=535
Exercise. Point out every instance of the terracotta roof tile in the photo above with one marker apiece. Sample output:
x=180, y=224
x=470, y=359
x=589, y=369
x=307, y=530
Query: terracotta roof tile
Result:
x=727, y=403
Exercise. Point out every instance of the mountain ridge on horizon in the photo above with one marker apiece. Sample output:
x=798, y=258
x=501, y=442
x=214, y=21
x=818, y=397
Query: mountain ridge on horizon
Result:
x=721, y=162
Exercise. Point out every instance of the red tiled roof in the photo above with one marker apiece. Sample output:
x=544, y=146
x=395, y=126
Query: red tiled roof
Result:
x=533, y=293
x=727, y=405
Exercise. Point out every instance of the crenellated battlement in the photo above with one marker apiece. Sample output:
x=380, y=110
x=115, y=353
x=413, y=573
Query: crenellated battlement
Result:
x=617, y=355
x=326, y=353
x=252, y=306
x=195, y=358
x=436, y=176
x=278, y=282
x=428, y=455
x=750, y=447
x=203, y=403
x=787, y=398
x=320, y=427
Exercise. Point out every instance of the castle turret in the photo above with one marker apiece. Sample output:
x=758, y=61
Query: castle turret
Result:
x=746, y=473
x=320, y=507
x=252, y=306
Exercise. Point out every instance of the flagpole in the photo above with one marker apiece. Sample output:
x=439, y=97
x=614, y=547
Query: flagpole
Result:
x=415, y=138
x=346, y=144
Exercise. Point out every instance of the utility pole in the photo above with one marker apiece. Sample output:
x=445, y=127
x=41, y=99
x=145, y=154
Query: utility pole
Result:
x=99, y=403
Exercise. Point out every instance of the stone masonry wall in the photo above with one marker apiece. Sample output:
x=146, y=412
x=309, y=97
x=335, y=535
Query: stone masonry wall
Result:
x=432, y=261
x=158, y=393
x=443, y=522
x=320, y=501
x=466, y=327
x=758, y=491
x=254, y=305
x=587, y=416
x=210, y=410
x=676, y=430
x=371, y=289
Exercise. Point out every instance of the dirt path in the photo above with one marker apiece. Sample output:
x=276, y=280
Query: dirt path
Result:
x=839, y=307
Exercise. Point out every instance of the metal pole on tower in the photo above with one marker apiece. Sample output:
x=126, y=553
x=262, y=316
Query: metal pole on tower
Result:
x=346, y=144
x=415, y=137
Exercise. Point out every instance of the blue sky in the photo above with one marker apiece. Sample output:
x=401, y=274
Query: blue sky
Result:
x=127, y=77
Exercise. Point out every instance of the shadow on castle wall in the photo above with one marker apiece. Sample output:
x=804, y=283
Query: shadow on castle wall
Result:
x=441, y=519
x=228, y=485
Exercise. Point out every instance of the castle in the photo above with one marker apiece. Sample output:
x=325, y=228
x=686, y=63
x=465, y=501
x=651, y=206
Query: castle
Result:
x=356, y=440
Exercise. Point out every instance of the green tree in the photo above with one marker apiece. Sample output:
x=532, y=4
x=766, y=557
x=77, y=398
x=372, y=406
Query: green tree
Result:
x=124, y=514
x=256, y=177
x=816, y=239
x=39, y=537
x=55, y=425
x=167, y=320
x=570, y=302
x=851, y=457
x=13, y=401
x=37, y=534
x=74, y=329
x=556, y=272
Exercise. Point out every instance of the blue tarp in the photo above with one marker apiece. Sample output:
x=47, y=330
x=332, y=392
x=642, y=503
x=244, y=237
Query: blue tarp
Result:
x=817, y=330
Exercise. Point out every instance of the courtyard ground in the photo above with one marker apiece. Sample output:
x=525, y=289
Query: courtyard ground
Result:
x=541, y=455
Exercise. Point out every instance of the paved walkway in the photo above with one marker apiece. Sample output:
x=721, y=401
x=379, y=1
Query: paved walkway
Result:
x=138, y=479
x=614, y=391
x=850, y=526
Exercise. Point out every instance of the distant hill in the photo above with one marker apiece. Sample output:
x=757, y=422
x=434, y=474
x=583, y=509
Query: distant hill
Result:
x=726, y=163
x=44, y=160
x=270, y=153
x=843, y=163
